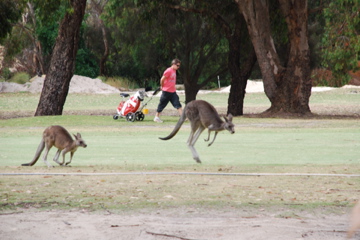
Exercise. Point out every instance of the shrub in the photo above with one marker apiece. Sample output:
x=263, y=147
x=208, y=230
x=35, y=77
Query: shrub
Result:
x=120, y=82
x=6, y=74
x=20, y=78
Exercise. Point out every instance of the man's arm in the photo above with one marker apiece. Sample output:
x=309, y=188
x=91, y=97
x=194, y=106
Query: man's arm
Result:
x=162, y=80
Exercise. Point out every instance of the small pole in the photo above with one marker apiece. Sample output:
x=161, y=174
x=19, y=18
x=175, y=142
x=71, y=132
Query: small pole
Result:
x=219, y=81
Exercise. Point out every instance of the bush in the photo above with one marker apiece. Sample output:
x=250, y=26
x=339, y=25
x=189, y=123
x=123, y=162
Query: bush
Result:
x=119, y=82
x=86, y=64
x=20, y=78
x=325, y=77
x=6, y=74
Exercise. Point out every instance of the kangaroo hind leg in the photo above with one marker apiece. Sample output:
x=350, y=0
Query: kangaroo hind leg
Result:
x=213, y=139
x=71, y=155
x=208, y=138
x=191, y=142
x=45, y=156
x=63, y=152
x=56, y=157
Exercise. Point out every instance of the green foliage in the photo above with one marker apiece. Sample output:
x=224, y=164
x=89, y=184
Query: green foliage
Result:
x=341, y=39
x=47, y=34
x=49, y=12
x=86, y=64
x=20, y=78
x=6, y=74
x=137, y=48
x=148, y=35
x=10, y=13
x=119, y=82
x=15, y=43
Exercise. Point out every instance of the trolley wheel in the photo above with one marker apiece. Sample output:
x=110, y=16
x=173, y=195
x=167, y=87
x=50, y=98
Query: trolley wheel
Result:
x=130, y=117
x=139, y=116
x=116, y=117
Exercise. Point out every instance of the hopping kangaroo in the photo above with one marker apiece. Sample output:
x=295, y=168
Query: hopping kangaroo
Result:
x=201, y=115
x=60, y=138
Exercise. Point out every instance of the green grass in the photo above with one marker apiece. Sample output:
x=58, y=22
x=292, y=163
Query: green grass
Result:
x=335, y=102
x=259, y=145
x=256, y=142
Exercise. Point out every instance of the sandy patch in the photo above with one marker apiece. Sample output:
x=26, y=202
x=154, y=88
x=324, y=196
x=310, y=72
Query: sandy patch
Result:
x=78, y=84
x=172, y=224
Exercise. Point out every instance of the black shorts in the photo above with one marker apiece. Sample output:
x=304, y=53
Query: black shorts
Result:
x=167, y=97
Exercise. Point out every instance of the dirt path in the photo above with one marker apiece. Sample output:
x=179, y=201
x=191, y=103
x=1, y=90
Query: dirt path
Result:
x=172, y=224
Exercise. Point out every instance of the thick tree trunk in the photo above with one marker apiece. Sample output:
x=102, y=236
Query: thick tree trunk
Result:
x=190, y=82
x=191, y=77
x=295, y=92
x=239, y=77
x=62, y=64
x=239, y=71
x=288, y=87
x=191, y=91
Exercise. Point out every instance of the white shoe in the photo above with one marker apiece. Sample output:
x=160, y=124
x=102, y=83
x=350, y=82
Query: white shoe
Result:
x=158, y=120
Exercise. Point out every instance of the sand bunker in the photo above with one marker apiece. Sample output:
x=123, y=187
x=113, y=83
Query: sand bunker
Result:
x=78, y=84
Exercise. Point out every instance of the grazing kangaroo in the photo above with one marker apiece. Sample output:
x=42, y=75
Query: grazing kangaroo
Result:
x=60, y=138
x=201, y=115
x=354, y=221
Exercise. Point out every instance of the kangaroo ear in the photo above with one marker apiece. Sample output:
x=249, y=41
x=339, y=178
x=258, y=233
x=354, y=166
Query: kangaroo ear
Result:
x=78, y=135
x=75, y=136
x=228, y=118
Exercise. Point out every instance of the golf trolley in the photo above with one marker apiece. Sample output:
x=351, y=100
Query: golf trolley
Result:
x=130, y=109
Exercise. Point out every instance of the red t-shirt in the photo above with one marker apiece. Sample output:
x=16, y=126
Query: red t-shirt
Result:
x=170, y=80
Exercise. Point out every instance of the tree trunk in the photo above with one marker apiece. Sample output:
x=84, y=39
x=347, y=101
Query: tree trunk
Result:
x=62, y=64
x=239, y=77
x=191, y=90
x=106, y=48
x=297, y=85
x=98, y=8
x=191, y=73
x=288, y=87
x=240, y=72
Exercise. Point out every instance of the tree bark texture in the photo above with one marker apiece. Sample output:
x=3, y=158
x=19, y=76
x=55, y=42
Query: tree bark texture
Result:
x=239, y=71
x=287, y=86
x=191, y=73
x=62, y=64
x=297, y=90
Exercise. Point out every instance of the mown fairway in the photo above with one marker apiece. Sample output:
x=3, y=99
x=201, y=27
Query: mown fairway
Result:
x=327, y=145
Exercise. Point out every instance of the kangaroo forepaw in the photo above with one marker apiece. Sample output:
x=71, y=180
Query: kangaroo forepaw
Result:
x=197, y=160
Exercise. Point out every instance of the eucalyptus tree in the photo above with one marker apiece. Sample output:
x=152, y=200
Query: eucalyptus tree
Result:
x=136, y=48
x=62, y=63
x=95, y=9
x=171, y=33
x=241, y=55
x=341, y=41
x=287, y=81
x=200, y=46
x=10, y=13
x=33, y=36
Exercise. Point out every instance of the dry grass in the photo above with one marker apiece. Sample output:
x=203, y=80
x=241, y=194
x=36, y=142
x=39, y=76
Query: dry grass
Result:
x=142, y=191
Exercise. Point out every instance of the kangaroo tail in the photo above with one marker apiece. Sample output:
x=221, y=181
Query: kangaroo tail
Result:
x=37, y=154
x=177, y=126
